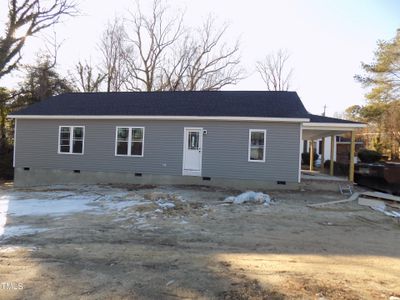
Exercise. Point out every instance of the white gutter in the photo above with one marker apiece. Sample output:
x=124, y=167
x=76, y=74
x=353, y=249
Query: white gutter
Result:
x=15, y=141
x=193, y=118
x=332, y=126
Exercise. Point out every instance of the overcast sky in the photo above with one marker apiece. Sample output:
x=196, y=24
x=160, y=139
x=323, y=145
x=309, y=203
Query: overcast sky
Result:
x=327, y=39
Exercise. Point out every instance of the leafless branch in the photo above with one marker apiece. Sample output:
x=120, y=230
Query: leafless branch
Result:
x=113, y=49
x=86, y=79
x=151, y=39
x=26, y=18
x=273, y=71
x=165, y=55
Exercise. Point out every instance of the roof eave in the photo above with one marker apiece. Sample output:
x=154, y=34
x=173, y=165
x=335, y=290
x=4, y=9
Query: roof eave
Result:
x=194, y=118
x=333, y=126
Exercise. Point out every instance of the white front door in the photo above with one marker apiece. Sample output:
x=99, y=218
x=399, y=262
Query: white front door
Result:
x=192, y=151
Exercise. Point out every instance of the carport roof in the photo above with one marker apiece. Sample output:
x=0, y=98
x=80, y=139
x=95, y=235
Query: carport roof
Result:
x=320, y=126
x=323, y=119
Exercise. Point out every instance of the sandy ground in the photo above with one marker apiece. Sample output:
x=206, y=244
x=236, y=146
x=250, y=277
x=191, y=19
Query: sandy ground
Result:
x=127, y=242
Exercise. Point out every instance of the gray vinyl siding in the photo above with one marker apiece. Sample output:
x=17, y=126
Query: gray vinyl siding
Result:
x=225, y=148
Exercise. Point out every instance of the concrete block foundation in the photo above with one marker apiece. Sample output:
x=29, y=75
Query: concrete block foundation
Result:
x=29, y=177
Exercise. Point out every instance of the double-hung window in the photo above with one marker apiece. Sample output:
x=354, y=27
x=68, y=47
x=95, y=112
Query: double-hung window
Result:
x=257, y=145
x=71, y=139
x=129, y=141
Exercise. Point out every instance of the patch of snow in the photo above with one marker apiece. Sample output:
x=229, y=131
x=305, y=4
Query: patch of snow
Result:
x=146, y=226
x=19, y=230
x=180, y=198
x=123, y=219
x=230, y=199
x=114, y=196
x=170, y=282
x=249, y=196
x=32, y=207
x=382, y=208
x=9, y=249
x=3, y=215
x=165, y=204
x=120, y=205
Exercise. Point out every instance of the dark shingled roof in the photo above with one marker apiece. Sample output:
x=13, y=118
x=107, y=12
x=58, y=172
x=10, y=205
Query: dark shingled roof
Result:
x=193, y=103
x=322, y=119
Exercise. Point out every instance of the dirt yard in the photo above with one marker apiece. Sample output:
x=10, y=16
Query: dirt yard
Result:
x=132, y=242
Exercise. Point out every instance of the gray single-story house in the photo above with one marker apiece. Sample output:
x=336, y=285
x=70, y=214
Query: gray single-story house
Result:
x=231, y=138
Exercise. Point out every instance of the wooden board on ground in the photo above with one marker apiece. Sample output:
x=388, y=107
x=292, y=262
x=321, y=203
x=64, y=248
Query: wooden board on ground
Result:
x=380, y=195
x=370, y=202
x=351, y=198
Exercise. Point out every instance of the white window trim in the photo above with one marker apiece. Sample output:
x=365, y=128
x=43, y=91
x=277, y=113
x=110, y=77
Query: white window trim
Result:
x=249, y=144
x=129, y=141
x=71, y=137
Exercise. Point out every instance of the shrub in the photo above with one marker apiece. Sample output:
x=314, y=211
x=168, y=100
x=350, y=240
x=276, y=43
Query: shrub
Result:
x=339, y=169
x=6, y=165
x=369, y=156
x=305, y=157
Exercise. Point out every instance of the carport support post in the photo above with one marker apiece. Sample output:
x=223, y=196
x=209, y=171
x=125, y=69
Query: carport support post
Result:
x=352, y=150
x=322, y=151
x=311, y=155
x=332, y=153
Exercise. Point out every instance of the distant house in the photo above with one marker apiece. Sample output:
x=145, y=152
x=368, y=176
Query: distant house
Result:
x=341, y=148
x=231, y=138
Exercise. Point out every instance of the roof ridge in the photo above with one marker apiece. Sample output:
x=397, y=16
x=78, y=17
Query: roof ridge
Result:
x=161, y=92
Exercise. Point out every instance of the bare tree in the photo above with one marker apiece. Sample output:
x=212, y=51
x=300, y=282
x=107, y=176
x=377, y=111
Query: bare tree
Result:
x=26, y=18
x=273, y=71
x=152, y=38
x=113, y=48
x=42, y=79
x=211, y=63
x=164, y=55
x=86, y=78
x=175, y=67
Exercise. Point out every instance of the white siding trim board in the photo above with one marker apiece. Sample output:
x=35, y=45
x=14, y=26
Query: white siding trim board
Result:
x=300, y=151
x=15, y=141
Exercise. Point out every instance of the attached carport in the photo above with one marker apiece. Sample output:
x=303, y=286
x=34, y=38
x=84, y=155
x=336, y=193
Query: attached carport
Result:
x=321, y=127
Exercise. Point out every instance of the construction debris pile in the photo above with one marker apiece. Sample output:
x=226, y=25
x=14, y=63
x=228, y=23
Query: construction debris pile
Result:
x=386, y=203
x=383, y=202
